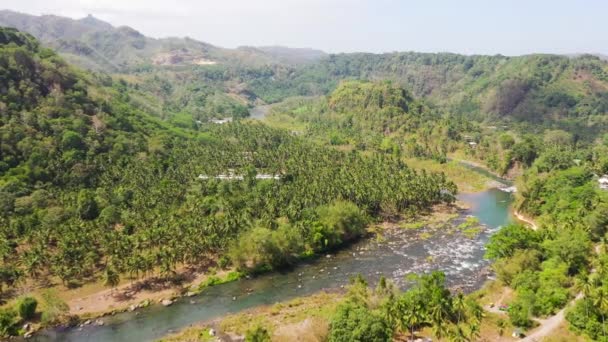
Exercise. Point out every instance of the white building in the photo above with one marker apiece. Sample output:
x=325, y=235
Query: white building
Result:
x=221, y=121
x=232, y=176
x=603, y=182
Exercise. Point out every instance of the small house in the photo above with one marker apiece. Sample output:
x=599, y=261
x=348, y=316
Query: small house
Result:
x=603, y=182
x=221, y=121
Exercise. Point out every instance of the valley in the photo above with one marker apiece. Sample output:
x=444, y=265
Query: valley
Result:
x=154, y=188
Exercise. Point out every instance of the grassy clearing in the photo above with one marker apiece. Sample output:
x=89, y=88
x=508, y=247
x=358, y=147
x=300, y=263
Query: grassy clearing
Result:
x=285, y=121
x=320, y=305
x=470, y=227
x=465, y=179
x=438, y=217
x=215, y=279
x=302, y=319
x=194, y=334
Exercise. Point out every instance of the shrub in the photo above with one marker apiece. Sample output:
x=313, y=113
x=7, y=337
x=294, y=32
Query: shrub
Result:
x=509, y=239
x=520, y=312
x=354, y=322
x=257, y=334
x=27, y=308
x=7, y=322
x=55, y=308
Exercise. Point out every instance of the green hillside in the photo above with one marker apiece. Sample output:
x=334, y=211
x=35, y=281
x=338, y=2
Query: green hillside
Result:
x=97, y=45
x=92, y=187
x=549, y=91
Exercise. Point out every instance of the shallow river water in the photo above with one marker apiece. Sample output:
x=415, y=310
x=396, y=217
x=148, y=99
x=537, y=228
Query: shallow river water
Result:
x=401, y=252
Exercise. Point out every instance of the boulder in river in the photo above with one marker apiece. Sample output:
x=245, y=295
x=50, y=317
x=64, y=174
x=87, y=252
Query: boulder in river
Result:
x=166, y=302
x=212, y=332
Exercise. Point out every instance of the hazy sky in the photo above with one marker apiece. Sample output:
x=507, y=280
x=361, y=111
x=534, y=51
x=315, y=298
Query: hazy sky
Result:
x=509, y=27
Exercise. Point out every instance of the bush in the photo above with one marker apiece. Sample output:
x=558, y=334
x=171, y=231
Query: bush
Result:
x=55, y=308
x=7, y=322
x=339, y=222
x=584, y=317
x=509, y=239
x=506, y=141
x=520, y=312
x=263, y=248
x=27, y=308
x=353, y=322
x=257, y=334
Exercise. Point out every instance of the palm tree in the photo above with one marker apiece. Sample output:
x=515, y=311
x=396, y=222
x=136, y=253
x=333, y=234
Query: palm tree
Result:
x=474, y=331
x=440, y=329
x=111, y=277
x=601, y=302
x=585, y=285
x=411, y=312
x=458, y=334
x=459, y=306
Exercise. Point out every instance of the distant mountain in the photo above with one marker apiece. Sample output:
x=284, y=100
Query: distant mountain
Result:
x=95, y=44
x=568, y=92
x=598, y=55
x=293, y=55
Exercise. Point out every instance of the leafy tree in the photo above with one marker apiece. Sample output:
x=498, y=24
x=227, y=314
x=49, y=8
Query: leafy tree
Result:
x=353, y=322
x=87, y=205
x=111, y=276
x=506, y=141
x=509, y=239
x=572, y=246
x=520, y=312
x=71, y=140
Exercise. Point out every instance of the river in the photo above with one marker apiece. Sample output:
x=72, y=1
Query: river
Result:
x=401, y=252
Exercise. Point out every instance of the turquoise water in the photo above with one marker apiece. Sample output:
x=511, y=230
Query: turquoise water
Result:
x=402, y=252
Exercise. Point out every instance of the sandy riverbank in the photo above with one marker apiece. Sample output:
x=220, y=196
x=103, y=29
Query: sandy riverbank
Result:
x=152, y=289
x=526, y=220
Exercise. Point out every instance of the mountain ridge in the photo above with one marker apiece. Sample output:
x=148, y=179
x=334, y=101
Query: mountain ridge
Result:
x=123, y=47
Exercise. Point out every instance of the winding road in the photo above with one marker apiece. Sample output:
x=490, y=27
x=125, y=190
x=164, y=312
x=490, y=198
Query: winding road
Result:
x=548, y=325
x=552, y=323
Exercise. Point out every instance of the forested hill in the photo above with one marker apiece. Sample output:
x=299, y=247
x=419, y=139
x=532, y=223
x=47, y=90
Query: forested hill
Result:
x=93, y=186
x=546, y=89
x=94, y=44
x=61, y=126
x=550, y=91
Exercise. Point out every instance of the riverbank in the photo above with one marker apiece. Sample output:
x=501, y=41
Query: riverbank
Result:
x=525, y=219
x=404, y=248
x=301, y=319
x=90, y=302
x=154, y=289
x=467, y=181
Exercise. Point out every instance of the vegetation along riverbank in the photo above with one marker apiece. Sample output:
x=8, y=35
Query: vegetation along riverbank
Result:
x=136, y=170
